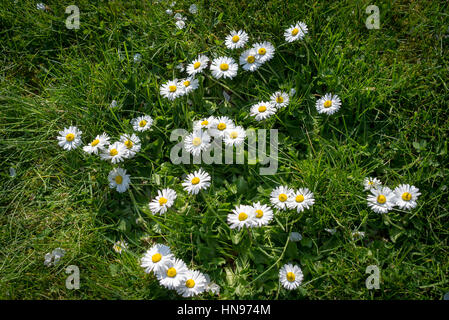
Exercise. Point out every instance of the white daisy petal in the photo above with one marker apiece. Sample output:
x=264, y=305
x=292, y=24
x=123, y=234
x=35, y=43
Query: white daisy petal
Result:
x=290, y=276
x=194, y=284
x=296, y=32
x=197, y=65
x=236, y=39
x=156, y=258
x=196, y=181
x=381, y=200
x=98, y=144
x=116, y=152
x=165, y=199
x=262, y=110
x=281, y=196
x=241, y=216
x=196, y=142
x=328, y=104
x=69, y=138
x=119, y=180
x=224, y=67
x=406, y=196
x=142, y=123
x=301, y=199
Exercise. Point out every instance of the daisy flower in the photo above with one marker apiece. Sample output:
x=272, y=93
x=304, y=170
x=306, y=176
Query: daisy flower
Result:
x=69, y=138
x=188, y=85
x=164, y=200
x=180, y=24
x=248, y=60
x=262, y=110
x=173, y=274
x=119, y=246
x=328, y=104
x=219, y=127
x=290, y=276
x=224, y=67
x=132, y=144
x=381, y=200
x=236, y=39
x=296, y=32
x=196, y=142
x=194, y=284
x=98, y=144
x=280, y=197
x=196, y=181
x=156, y=258
x=301, y=199
x=204, y=123
x=197, y=65
x=265, y=51
x=116, y=152
x=262, y=214
x=406, y=196
x=371, y=183
x=241, y=216
x=119, y=179
x=142, y=123
x=235, y=136
x=279, y=99
x=172, y=89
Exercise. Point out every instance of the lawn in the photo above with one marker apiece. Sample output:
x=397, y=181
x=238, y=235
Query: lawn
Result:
x=392, y=124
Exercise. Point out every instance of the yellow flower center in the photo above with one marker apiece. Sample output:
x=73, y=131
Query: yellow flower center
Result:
x=371, y=183
x=235, y=38
x=224, y=66
x=262, y=51
x=234, y=134
x=142, y=123
x=113, y=152
x=259, y=213
x=196, y=65
x=118, y=179
x=70, y=137
x=327, y=103
x=295, y=31
x=156, y=257
x=195, y=180
x=282, y=197
x=162, y=201
x=221, y=126
x=172, y=88
x=381, y=199
x=406, y=196
x=299, y=198
x=171, y=272
x=243, y=216
x=190, y=283
x=129, y=144
x=251, y=59
x=186, y=83
x=279, y=99
x=262, y=108
x=291, y=276
x=205, y=123
x=196, y=141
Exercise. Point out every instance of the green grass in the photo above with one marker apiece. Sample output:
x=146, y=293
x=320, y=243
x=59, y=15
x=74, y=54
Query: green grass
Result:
x=393, y=125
